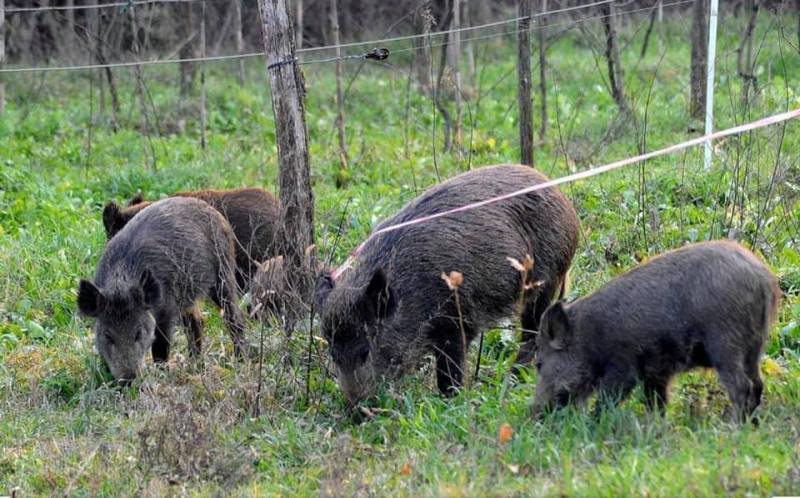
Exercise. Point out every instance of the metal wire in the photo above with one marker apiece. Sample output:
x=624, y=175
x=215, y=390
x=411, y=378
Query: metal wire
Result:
x=343, y=45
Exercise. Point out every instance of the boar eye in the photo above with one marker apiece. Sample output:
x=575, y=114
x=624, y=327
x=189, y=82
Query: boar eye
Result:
x=539, y=365
x=138, y=335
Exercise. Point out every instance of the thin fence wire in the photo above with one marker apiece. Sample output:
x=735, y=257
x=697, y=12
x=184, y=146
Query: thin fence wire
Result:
x=123, y=4
x=383, y=41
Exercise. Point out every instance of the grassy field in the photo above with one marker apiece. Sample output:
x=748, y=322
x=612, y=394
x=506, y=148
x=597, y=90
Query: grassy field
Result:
x=207, y=430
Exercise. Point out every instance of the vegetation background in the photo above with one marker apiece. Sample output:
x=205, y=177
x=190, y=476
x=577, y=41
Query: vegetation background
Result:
x=279, y=426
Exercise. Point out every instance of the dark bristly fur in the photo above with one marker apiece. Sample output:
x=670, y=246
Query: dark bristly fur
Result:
x=385, y=314
x=705, y=305
x=154, y=271
x=252, y=213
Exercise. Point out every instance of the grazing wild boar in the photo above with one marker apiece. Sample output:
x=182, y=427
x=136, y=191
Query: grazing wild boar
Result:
x=252, y=213
x=154, y=270
x=704, y=305
x=382, y=316
x=268, y=287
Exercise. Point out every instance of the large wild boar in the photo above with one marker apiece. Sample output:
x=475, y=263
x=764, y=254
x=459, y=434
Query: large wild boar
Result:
x=154, y=271
x=252, y=213
x=704, y=305
x=385, y=314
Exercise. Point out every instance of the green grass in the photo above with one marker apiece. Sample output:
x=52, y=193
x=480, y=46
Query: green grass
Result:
x=192, y=429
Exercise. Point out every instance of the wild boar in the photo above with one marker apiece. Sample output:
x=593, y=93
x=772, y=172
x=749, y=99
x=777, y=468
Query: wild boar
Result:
x=252, y=213
x=268, y=287
x=704, y=305
x=382, y=316
x=154, y=271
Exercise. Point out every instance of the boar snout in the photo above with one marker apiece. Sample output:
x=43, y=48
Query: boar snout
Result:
x=358, y=384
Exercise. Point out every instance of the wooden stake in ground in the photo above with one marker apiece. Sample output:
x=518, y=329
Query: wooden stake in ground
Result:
x=299, y=22
x=2, y=54
x=543, y=71
x=237, y=19
x=697, y=103
x=297, y=200
x=203, y=115
x=343, y=176
x=615, y=76
x=524, y=82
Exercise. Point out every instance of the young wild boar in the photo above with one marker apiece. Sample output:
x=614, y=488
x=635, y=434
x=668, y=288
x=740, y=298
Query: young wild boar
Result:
x=705, y=305
x=252, y=213
x=268, y=287
x=154, y=271
x=383, y=315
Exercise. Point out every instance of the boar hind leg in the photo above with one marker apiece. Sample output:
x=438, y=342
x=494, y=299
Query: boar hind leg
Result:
x=193, y=323
x=224, y=295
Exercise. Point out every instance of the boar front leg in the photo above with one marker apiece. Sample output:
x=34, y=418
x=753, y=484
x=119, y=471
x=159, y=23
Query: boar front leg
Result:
x=163, y=339
x=655, y=393
x=613, y=388
x=449, y=348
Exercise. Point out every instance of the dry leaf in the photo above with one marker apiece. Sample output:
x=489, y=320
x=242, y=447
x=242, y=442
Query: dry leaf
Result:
x=453, y=280
x=505, y=434
x=513, y=468
x=405, y=470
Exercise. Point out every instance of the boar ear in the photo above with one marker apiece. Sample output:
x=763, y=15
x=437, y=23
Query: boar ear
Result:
x=559, y=330
x=151, y=289
x=90, y=299
x=136, y=199
x=380, y=296
x=323, y=288
x=111, y=218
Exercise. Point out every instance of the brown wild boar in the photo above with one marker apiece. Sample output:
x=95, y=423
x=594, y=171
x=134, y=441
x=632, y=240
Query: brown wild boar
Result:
x=704, y=305
x=383, y=316
x=252, y=213
x=154, y=271
x=268, y=287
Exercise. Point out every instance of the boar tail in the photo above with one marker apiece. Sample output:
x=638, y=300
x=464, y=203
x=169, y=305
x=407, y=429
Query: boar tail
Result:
x=564, y=290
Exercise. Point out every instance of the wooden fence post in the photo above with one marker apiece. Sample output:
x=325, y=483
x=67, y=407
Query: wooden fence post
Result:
x=287, y=89
x=342, y=177
x=524, y=82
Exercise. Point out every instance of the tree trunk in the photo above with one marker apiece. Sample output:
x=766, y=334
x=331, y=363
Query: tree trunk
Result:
x=744, y=59
x=697, y=103
x=2, y=55
x=297, y=200
x=615, y=76
x=343, y=175
x=469, y=50
x=524, y=82
x=237, y=19
x=422, y=49
x=543, y=71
